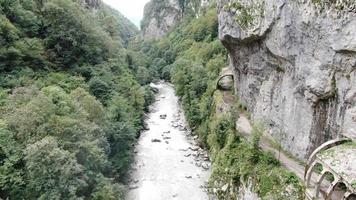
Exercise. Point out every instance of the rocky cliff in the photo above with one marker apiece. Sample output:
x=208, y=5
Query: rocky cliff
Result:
x=159, y=17
x=91, y=4
x=294, y=63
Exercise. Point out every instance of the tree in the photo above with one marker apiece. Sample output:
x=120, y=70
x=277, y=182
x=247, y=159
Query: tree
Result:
x=52, y=172
x=11, y=176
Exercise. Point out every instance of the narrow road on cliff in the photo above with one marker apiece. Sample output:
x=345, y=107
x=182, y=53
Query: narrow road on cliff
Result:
x=244, y=126
x=168, y=164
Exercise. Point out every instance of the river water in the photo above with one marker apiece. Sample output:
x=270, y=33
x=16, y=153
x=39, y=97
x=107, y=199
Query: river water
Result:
x=168, y=163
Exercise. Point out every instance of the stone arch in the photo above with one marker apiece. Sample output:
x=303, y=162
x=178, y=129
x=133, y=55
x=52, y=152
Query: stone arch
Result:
x=310, y=171
x=325, y=174
x=218, y=85
x=351, y=196
x=324, y=146
x=337, y=190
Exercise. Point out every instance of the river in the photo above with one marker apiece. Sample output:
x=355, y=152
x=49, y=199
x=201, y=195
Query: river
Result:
x=168, y=163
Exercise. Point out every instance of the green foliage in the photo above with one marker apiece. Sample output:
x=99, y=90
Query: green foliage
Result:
x=70, y=103
x=244, y=18
x=242, y=162
x=341, y=6
x=246, y=13
x=106, y=190
x=53, y=173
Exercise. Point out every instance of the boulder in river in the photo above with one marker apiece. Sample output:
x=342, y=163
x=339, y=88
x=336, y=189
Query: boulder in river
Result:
x=154, y=90
x=155, y=140
x=145, y=126
x=184, y=149
x=198, y=164
x=195, y=148
x=183, y=128
x=205, y=166
x=133, y=187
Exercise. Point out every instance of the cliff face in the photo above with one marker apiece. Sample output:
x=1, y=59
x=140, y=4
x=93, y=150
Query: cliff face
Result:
x=294, y=63
x=159, y=17
x=91, y=4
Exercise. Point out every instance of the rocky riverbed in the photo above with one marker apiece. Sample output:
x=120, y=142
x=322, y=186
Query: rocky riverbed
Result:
x=169, y=164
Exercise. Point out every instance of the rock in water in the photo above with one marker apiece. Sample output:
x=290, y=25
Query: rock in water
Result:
x=133, y=187
x=155, y=140
x=205, y=166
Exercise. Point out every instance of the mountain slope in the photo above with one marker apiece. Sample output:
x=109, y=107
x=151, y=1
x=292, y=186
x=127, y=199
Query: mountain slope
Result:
x=70, y=106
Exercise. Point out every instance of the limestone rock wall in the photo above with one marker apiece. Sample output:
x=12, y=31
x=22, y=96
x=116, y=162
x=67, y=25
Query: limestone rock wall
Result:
x=91, y=4
x=159, y=18
x=294, y=63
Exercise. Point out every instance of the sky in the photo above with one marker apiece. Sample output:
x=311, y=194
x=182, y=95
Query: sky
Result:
x=132, y=9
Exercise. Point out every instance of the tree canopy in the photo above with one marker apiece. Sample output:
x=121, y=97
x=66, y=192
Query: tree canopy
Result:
x=71, y=106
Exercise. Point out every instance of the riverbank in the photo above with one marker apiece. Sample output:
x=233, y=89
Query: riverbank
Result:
x=168, y=163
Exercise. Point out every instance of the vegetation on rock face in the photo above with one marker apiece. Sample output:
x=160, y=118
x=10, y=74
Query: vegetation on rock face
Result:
x=158, y=8
x=340, y=5
x=197, y=58
x=70, y=104
x=246, y=13
x=239, y=163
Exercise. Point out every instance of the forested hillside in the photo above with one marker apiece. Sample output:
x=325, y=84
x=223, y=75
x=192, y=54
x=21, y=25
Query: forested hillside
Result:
x=70, y=105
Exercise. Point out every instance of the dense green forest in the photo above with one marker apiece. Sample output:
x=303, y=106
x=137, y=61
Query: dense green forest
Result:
x=70, y=104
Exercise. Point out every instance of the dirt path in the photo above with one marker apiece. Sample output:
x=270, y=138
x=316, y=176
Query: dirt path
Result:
x=168, y=163
x=244, y=126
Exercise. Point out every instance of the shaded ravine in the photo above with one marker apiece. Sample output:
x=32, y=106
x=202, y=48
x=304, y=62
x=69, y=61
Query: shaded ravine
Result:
x=168, y=163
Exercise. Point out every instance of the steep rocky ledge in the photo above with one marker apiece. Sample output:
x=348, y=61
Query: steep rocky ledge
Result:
x=91, y=4
x=294, y=63
x=159, y=18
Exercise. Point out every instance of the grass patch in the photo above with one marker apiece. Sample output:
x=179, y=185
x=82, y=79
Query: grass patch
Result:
x=246, y=13
x=278, y=147
x=240, y=162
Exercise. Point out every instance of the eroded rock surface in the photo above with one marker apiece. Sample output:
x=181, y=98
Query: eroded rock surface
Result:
x=159, y=18
x=294, y=64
